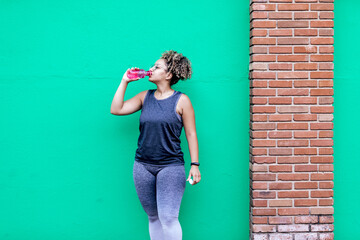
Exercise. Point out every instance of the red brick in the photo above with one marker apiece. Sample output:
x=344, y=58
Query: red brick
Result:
x=263, y=194
x=293, y=194
x=305, y=49
x=263, y=126
x=321, y=109
x=262, y=41
x=321, y=75
x=293, y=92
x=263, y=228
x=259, y=203
x=306, y=168
x=293, y=75
x=293, y=58
x=293, y=24
x=293, y=41
x=324, y=219
x=322, y=24
x=305, y=66
x=305, y=134
x=280, y=84
x=263, y=143
x=326, y=151
x=262, y=7
x=326, y=185
x=305, y=100
x=322, y=7
x=263, y=177
x=258, y=134
x=263, y=109
x=322, y=176
x=322, y=194
x=280, y=15
x=293, y=7
x=280, y=151
x=293, y=109
x=263, y=92
x=322, y=210
x=280, y=66
x=293, y=176
x=322, y=159
x=306, y=219
x=305, y=202
x=280, y=186
x=292, y=143
x=305, y=15
x=258, y=101
x=305, y=83
x=264, y=212
x=259, y=220
x=280, y=134
x=293, y=211
x=280, y=168
x=258, y=15
x=326, y=49
x=258, y=49
x=263, y=58
x=305, y=32
x=258, y=32
x=326, y=15
x=258, y=118
x=305, y=117
x=260, y=159
x=326, y=202
x=262, y=24
x=279, y=118
x=322, y=92
x=280, y=49
x=306, y=185
x=259, y=186
x=299, y=126
x=280, y=220
x=321, y=126
x=280, y=203
x=322, y=228
x=293, y=159
x=280, y=32
x=321, y=143
x=322, y=58
x=279, y=101
x=305, y=151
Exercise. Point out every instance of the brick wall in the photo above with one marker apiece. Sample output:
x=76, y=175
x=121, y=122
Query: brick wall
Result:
x=291, y=154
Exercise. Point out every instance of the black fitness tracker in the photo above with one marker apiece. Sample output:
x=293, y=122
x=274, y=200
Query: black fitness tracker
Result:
x=195, y=163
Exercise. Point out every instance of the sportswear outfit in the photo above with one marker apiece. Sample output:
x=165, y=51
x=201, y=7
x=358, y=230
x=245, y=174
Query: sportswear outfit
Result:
x=158, y=171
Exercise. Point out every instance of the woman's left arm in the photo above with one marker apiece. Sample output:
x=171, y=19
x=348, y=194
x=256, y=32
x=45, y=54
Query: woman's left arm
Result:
x=188, y=116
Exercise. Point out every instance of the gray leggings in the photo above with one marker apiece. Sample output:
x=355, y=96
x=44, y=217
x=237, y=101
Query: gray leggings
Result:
x=160, y=190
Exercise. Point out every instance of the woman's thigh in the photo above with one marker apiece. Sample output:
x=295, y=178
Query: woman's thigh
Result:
x=145, y=185
x=170, y=187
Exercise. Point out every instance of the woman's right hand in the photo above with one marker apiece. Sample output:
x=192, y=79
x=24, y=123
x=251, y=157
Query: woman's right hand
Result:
x=125, y=77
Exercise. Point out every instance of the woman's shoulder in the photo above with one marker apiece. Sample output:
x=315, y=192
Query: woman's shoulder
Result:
x=143, y=94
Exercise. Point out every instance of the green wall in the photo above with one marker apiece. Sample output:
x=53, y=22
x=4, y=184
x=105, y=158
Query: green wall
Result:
x=66, y=162
x=346, y=119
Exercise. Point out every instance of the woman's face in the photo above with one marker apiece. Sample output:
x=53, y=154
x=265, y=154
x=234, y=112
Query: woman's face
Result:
x=159, y=71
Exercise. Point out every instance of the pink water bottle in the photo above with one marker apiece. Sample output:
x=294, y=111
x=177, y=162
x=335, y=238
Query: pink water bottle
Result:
x=138, y=73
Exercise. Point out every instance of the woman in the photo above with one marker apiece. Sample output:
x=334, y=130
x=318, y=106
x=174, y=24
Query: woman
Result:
x=158, y=171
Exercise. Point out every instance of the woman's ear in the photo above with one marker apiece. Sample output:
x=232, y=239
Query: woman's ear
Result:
x=169, y=75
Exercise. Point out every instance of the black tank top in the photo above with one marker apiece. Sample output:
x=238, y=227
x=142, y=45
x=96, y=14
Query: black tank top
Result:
x=160, y=130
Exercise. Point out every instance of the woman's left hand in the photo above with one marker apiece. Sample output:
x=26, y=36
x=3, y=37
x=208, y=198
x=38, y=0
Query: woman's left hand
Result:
x=195, y=173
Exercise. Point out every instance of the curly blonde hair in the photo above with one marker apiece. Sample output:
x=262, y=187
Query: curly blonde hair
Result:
x=178, y=65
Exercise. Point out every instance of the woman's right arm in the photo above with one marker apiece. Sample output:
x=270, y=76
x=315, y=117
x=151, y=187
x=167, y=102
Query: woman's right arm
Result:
x=118, y=106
